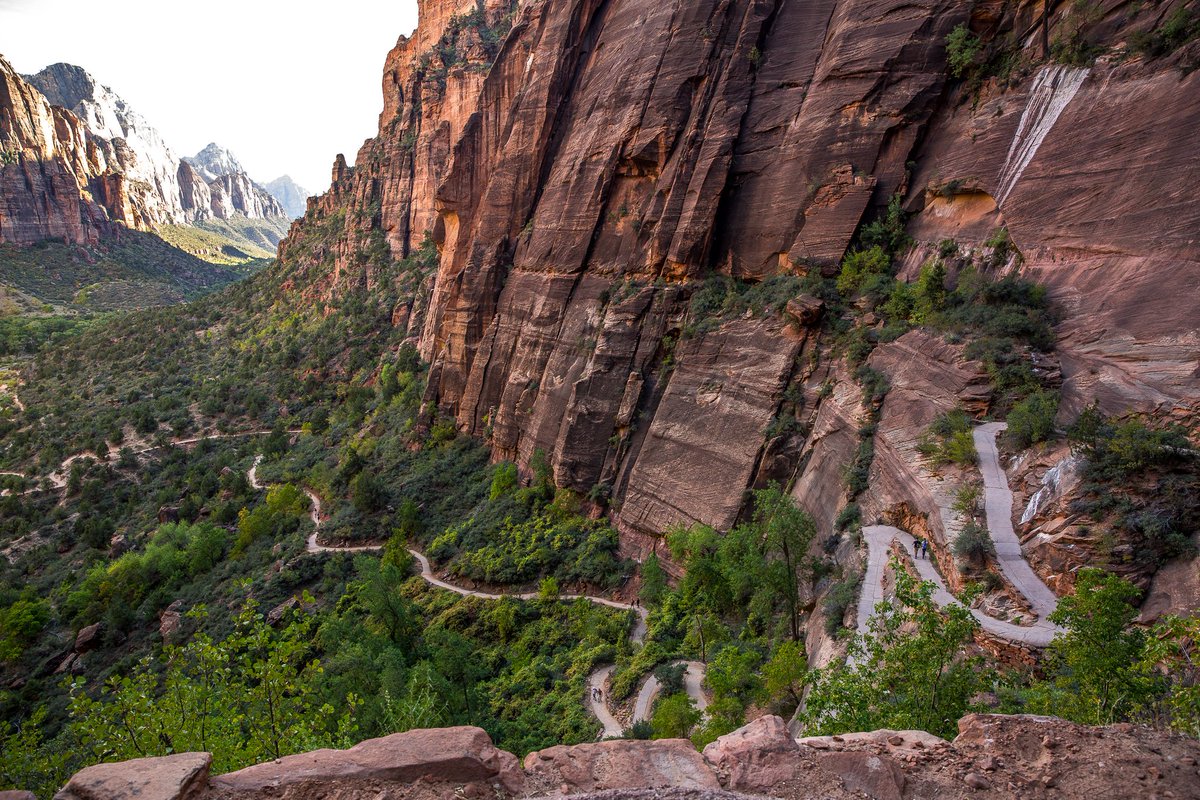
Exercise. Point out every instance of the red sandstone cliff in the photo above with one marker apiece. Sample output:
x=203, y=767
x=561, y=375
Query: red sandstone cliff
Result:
x=580, y=170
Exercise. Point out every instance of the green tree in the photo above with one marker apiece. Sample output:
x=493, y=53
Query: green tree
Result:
x=247, y=698
x=28, y=761
x=973, y=544
x=858, y=265
x=1032, y=419
x=786, y=531
x=785, y=672
x=910, y=671
x=367, y=493
x=674, y=717
x=20, y=624
x=1173, y=653
x=504, y=480
x=654, y=581
x=1096, y=669
x=929, y=292
x=961, y=49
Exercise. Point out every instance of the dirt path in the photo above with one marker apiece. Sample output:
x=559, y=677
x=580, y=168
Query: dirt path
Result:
x=998, y=507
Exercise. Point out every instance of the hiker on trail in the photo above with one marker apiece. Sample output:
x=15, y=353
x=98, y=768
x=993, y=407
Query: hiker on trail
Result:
x=916, y=548
x=925, y=548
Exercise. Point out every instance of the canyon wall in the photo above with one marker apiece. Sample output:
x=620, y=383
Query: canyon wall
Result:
x=76, y=159
x=583, y=166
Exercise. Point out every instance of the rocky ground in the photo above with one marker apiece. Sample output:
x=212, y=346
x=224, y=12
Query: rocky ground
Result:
x=994, y=756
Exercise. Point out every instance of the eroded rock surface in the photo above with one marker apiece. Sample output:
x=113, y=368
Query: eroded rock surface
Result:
x=993, y=756
x=460, y=756
x=178, y=777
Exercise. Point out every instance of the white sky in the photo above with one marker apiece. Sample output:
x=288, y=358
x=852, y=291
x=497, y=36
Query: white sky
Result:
x=284, y=85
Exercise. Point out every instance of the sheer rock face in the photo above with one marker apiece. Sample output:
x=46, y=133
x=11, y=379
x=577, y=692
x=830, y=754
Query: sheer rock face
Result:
x=51, y=171
x=581, y=171
x=1103, y=212
x=76, y=158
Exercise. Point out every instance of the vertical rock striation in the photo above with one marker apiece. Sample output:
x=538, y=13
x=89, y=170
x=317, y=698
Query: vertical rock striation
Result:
x=582, y=165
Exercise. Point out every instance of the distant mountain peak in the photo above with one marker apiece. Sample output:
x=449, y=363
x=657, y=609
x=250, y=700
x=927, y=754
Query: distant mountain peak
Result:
x=292, y=196
x=215, y=161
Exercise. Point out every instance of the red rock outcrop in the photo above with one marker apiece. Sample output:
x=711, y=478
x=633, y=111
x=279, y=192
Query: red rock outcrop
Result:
x=993, y=756
x=178, y=777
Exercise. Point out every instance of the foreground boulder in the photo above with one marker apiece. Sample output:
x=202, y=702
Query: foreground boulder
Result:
x=453, y=756
x=177, y=777
x=620, y=764
x=756, y=757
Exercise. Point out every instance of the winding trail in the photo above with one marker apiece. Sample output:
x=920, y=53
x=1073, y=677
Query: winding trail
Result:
x=998, y=507
x=597, y=680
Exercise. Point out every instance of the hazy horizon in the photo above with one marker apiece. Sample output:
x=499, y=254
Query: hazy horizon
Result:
x=284, y=88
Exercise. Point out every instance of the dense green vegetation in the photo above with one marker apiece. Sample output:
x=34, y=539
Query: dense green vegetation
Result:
x=910, y=672
x=739, y=607
x=134, y=270
x=1142, y=482
x=1003, y=322
x=330, y=397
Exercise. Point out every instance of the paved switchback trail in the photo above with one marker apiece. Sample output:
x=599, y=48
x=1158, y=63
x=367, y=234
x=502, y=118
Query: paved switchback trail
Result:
x=998, y=501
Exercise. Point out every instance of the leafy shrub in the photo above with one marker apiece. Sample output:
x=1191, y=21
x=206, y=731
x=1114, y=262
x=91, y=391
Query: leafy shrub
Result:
x=504, y=480
x=1143, y=480
x=966, y=499
x=948, y=440
x=674, y=717
x=841, y=596
x=907, y=672
x=849, y=517
x=1181, y=27
x=20, y=624
x=1094, y=671
x=1032, y=419
x=858, y=265
x=887, y=233
x=973, y=544
x=719, y=298
x=962, y=47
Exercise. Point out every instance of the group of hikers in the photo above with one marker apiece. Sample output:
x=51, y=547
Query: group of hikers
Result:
x=597, y=695
x=920, y=548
